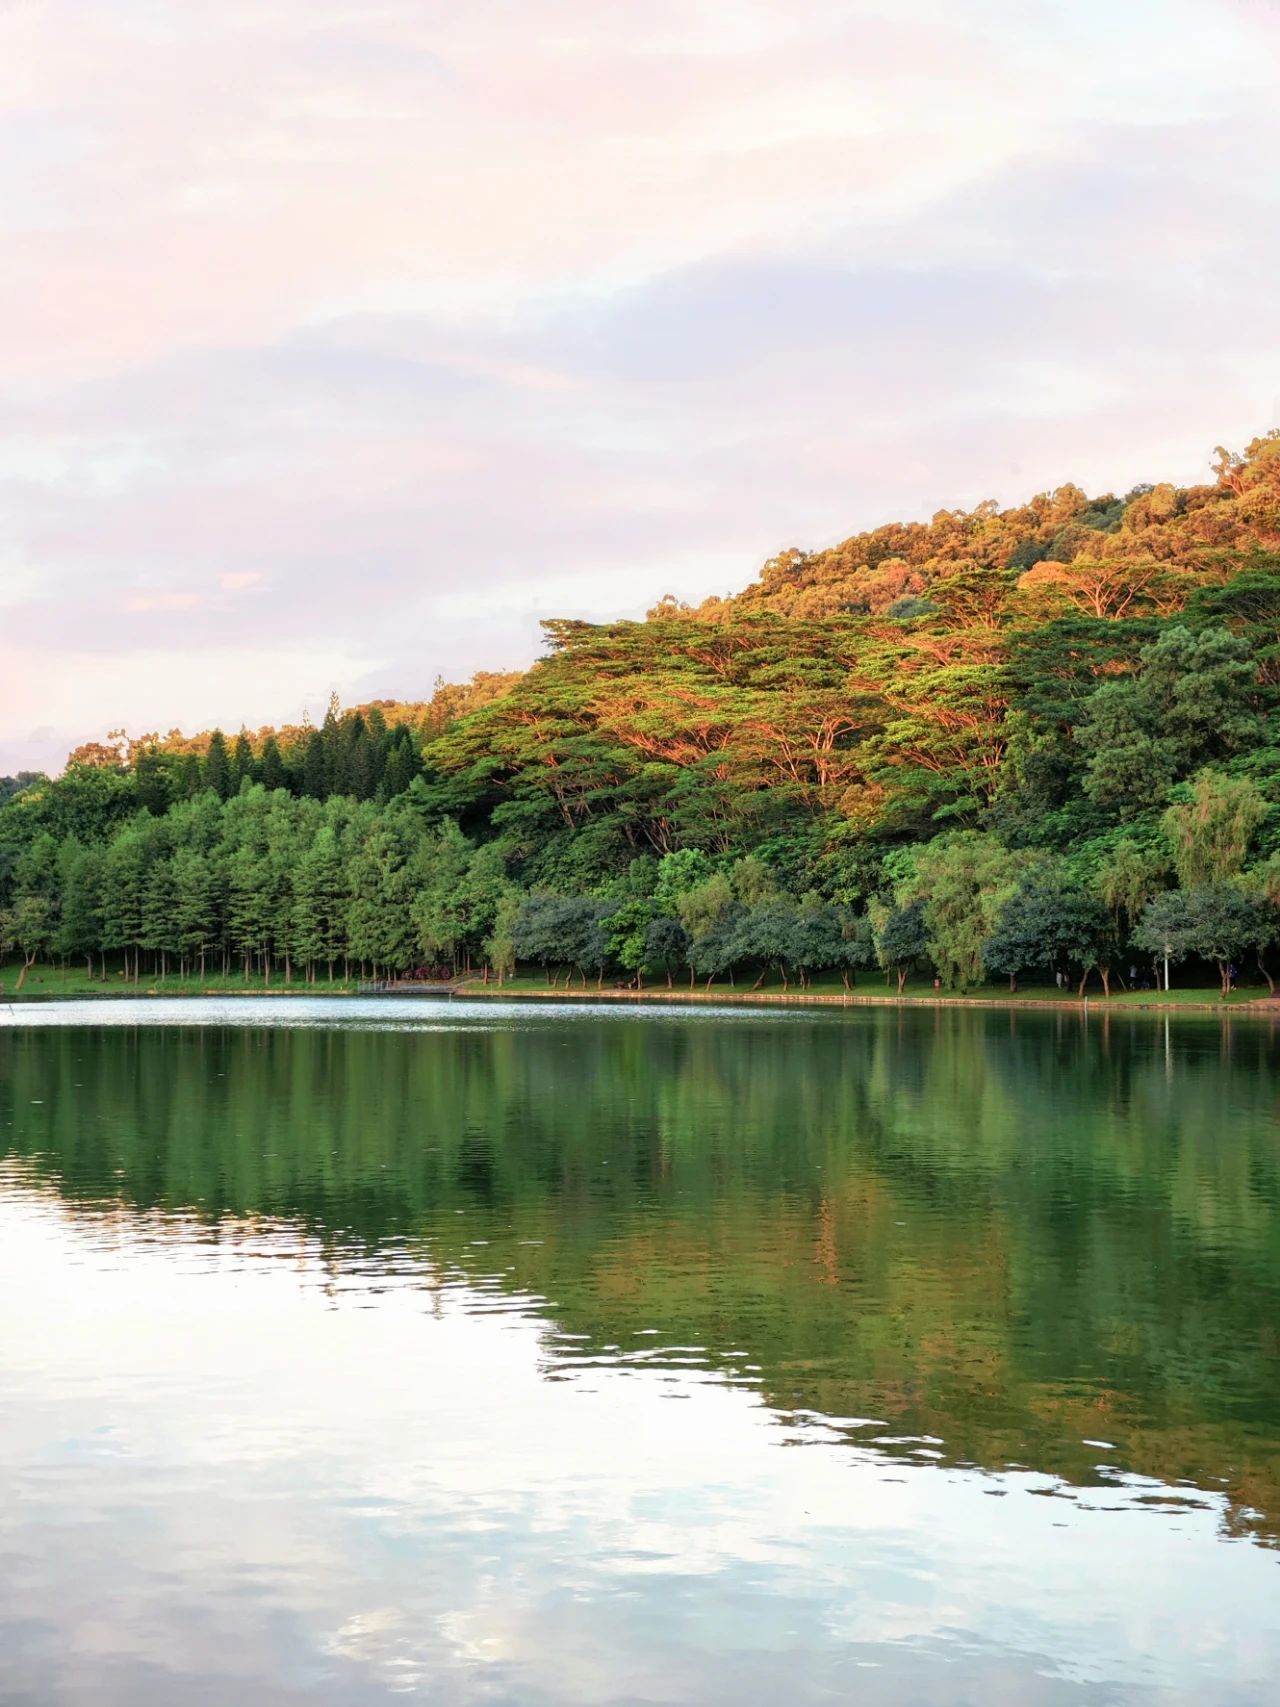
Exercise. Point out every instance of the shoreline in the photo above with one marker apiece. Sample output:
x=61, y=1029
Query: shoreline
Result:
x=1152, y=1002
x=854, y=998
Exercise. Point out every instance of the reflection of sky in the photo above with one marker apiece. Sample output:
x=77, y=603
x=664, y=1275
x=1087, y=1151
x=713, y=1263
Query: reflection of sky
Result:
x=226, y=1474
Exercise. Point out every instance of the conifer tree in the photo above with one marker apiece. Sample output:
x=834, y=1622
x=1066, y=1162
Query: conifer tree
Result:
x=217, y=766
x=273, y=774
x=242, y=766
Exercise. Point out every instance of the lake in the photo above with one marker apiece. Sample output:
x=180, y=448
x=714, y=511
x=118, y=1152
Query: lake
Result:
x=354, y=1351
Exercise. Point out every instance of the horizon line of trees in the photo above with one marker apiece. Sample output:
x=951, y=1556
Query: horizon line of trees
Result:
x=290, y=887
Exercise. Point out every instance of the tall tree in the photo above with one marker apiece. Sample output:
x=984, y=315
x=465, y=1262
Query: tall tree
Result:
x=217, y=766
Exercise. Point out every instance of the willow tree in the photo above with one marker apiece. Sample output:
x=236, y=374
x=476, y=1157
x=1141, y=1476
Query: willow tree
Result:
x=1210, y=832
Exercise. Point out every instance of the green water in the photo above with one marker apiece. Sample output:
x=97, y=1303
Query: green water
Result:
x=352, y=1351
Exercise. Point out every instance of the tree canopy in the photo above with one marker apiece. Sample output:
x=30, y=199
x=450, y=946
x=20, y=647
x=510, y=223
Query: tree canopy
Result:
x=881, y=751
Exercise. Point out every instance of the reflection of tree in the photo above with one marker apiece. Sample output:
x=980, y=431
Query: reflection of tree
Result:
x=1014, y=1232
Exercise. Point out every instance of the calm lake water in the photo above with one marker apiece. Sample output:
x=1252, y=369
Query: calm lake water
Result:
x=352, y=1351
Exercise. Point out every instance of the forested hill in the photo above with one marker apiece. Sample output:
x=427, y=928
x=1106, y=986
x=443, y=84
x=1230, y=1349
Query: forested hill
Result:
x=1098, y=555
x=1002, y=740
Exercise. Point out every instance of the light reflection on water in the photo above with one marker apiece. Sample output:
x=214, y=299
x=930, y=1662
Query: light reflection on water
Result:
x=333, y=1402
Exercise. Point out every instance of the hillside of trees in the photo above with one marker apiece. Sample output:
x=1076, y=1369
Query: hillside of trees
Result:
x=1033, y=741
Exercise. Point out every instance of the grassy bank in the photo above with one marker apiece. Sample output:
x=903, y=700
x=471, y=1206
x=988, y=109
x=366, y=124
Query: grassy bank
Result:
x=48, y=982
x=43, y=982
x=918, y=993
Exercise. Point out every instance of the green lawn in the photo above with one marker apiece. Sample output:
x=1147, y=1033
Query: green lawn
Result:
x=870, y=985
x=44, y=981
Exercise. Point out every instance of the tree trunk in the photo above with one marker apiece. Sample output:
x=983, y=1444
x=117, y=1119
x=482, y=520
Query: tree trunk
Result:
x=27, y=963
x=1013, y=983
x=1263, y=968
x=1084, y=981
x=902, y=979
x=670, y=980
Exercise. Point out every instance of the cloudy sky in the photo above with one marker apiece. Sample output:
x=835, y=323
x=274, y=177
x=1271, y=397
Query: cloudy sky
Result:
x=341, y=340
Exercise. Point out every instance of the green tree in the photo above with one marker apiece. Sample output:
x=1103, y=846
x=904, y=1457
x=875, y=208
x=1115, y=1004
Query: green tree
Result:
x=964, y=879
x=1130, y=764
x=901, y=938
x=1219, y=922
x=1203, y=687
x=273, y=774
x=1126, y=879
x=705, y=905
x=80, y=923
x=241, y=765
x=666, y=947
x=195, y=912
x=28, y=925
x=123, y=884
x=158, y=928
x=1210, y=832
x=1050, y=922
x=500, y=944
x=217, y=766
x=380, y=926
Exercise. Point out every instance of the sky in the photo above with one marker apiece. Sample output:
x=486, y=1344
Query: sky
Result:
x=341, y=341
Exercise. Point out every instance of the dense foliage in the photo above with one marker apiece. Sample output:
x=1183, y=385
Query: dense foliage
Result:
x=994, y=743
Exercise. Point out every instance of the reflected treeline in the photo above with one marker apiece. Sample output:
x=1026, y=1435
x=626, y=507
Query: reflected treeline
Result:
x=1011, y=1231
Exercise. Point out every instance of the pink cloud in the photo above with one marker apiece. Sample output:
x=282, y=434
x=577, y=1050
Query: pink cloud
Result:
x=412, y=322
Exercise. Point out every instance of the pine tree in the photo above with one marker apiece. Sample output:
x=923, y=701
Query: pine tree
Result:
x=80, y=921
x=123, y=877
x=194, y=905
x=158, y=933
x=242, y=766
x=379, y=921
x=272, y=766
x=314, y=767
x=217, y=766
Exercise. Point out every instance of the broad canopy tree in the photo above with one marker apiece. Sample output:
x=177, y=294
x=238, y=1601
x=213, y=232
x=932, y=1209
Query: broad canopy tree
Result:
x=1052, y=923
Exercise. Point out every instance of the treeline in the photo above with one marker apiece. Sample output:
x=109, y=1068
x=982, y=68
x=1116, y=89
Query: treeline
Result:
x=299, y=889
x=355, y=753
x=1063, y=764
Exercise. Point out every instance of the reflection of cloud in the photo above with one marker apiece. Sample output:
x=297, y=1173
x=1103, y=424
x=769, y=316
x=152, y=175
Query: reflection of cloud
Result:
x=372, y=1498
x=409, y=304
